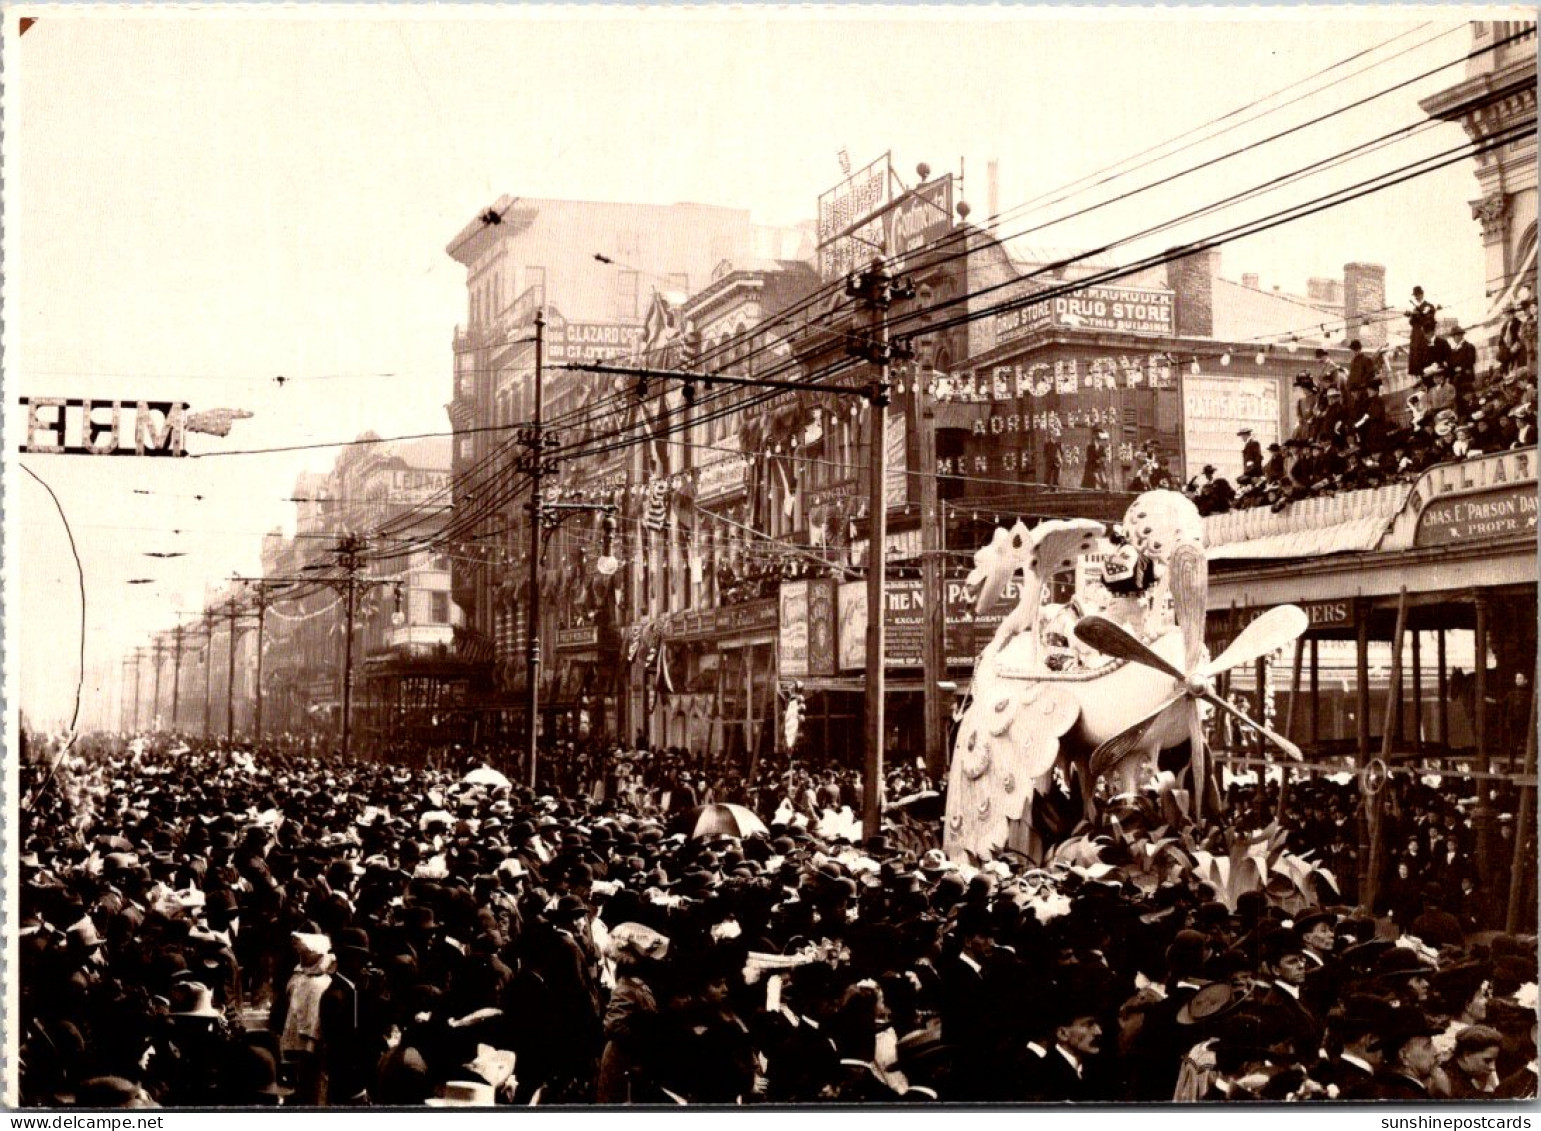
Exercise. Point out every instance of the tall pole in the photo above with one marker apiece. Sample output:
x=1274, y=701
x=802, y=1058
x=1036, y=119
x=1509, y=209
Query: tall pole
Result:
x=208, y=672
x=933, y=596
x=876, y=291
x=532, y=644
x=230, y=678
x=155, y=703
x=351, y=563
x=176, y=676
x=262, y=610
x=1483, y=817
x=137, y=680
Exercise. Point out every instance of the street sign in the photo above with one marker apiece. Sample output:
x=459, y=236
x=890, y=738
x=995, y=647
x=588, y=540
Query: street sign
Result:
x=1482, y=517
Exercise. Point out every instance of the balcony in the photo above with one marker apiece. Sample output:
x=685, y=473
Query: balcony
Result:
x=1328, y=524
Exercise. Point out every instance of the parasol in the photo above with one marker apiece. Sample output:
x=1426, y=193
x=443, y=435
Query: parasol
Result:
x=724, y=820
x=486, y=775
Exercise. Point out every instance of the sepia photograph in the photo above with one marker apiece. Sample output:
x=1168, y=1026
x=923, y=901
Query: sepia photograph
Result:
x=769, y=557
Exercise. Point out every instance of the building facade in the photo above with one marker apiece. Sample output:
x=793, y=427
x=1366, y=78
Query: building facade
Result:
x=1496, y=95
x=595, y=270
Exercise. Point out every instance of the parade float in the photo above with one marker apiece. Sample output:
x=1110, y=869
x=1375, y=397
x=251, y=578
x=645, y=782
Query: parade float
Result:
x=1083, y=690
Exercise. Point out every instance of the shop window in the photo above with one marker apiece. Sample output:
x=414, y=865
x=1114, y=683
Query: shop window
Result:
x=438, y=607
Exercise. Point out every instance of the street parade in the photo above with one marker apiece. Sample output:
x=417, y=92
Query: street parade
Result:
x=874, y=659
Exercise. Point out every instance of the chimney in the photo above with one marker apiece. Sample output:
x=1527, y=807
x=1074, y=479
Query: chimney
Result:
x=1193, y=279
x=1249, y=280
x=1364, y=303
x=993, y=188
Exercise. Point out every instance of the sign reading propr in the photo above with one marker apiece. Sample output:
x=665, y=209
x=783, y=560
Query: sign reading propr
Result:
x=1469, y=518
x=76, y=426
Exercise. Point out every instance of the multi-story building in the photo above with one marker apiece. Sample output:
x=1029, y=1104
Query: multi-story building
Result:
x=394, y=498
x=1496, y=95
x=595, y=270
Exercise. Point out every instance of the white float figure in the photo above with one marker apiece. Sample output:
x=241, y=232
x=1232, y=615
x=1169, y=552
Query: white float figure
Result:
x=1103, y=704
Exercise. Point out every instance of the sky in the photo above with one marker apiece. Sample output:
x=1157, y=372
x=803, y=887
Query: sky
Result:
x=196, y=203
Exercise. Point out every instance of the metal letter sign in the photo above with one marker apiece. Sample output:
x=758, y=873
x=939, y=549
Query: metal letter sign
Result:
x=75, y=426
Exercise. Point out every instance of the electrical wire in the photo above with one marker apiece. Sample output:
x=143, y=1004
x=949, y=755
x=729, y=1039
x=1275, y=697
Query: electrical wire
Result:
x=80, y=680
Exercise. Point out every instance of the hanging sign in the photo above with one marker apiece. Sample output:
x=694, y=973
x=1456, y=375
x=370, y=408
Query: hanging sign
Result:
x=76, y=426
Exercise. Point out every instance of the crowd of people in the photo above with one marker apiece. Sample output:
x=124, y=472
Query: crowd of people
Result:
x=1350, y=435
x=204, y=927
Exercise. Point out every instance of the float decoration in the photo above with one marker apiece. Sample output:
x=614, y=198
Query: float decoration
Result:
x=1069, y=693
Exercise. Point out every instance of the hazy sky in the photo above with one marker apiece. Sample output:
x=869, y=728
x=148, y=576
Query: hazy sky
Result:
x=198, y=202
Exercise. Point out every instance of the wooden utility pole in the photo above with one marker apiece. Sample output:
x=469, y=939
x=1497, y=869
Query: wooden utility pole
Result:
x=1370, y=872
x=932, y=583
x=536, y=467
x=875, y=292
x=232, y=612
x=155, y=703
x=176, y=675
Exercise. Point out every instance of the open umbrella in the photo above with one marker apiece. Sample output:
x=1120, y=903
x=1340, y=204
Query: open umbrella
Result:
x=486, y=775
x=724, y=820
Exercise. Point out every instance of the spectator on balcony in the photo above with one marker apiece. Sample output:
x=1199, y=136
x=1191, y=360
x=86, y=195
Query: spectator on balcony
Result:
x=1421, y=324
x=1463, y=359
x=1095, y=476
x=1305, y=404
x=1331, y=417
x=1274, y=470
x=1251, y=453
x=1361, y=369
x=1441, y=393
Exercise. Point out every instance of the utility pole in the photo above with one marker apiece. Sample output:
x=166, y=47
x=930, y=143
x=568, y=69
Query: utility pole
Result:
x=208, y=670
x=176, y=676
x=262, y=616
x=876, y=292
x=232, y=612
x=933, y=594
x=351, y=564
x=138, y=681
x=155, y=704
x=535, y=465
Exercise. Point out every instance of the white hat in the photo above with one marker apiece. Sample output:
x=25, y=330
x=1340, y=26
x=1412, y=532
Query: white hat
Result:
x=465, y=1093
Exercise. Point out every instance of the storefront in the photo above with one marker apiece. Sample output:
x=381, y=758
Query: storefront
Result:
x=1421, y=648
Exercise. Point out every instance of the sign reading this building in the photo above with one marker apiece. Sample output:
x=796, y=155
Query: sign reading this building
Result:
x=1120, y=310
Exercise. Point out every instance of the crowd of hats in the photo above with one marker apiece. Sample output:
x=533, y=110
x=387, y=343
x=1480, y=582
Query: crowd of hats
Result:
x=488, y=944
x=1350, y=435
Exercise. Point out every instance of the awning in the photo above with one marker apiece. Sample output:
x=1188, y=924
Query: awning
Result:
x=1352, y=522
x=857, y=685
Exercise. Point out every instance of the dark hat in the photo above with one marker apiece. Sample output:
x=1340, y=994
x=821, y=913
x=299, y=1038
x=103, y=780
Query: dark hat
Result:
x=256, y=1072
x=1398, y=962
x=1277, y=943
x=1245, y=432
x=1403, y=1024
x=354, y=939
x=1362, y=1014
x=1457, y=985
x=567, y=908
x=1361, y=956
x=1208, y=469
x=1355, y=345
x=1209, y=1003
x=110, y=1092
x=1275, y=447
x=1311, y=918
x=1457, y=332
